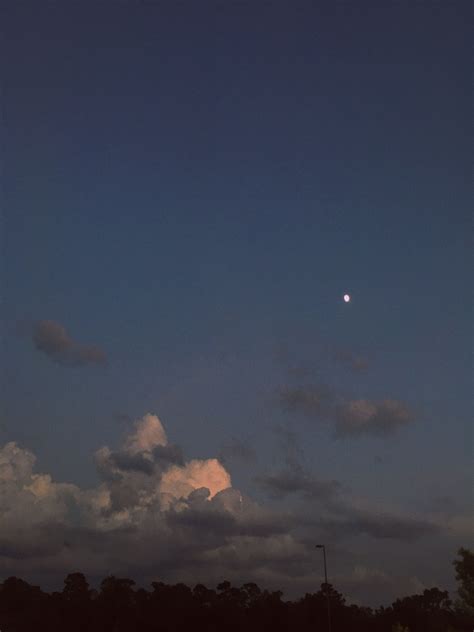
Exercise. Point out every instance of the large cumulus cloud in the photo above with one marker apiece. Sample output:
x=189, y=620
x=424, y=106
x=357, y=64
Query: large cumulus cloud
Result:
x=143, y=485
x=155, y=514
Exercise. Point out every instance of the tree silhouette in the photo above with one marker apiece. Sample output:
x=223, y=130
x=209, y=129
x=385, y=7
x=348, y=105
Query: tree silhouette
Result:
x=21, y=605
x=76, y=589
x=74, y=604
x=465, y=576
x=119, y=606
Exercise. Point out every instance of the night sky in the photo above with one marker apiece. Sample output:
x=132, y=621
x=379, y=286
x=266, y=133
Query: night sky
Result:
x=189, y=189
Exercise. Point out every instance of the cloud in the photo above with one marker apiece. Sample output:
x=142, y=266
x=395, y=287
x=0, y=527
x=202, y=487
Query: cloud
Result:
x=378, y=525
x=297, y=482
x=149, y=433
x=208, y=519
x=52, y=339
x=111, y=463
x=363, y=416
x=319, y=355
x=294, y=478
x=16, y=464
x=180, y=481
x=328, y=506
x=313, y=400
x=237, y=450
x=148, y=471
x=132, y=462
x=349, y=417
x=227, y=514
x=154, y=509
x=348, y=359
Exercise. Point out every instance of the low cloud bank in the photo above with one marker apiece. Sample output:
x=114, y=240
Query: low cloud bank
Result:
x=155, y=514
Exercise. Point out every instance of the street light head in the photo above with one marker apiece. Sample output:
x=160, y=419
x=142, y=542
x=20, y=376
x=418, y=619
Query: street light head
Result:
x=320, y=546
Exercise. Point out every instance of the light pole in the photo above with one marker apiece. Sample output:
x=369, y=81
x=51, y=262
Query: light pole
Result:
x=321, y=546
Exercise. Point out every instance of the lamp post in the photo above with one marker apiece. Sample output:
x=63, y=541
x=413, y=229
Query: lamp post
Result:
x=321, y=546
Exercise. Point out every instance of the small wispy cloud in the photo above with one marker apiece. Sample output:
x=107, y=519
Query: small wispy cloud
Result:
x=237, y=450
x=52, y=339
x=349, y=417
x=312, y=400
x=354, y=362
x=291, y=481
x=363, y=416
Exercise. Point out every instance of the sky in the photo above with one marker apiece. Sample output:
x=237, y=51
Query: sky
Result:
x=189, y=189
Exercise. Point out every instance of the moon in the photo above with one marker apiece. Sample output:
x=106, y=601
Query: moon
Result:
x=347, y=298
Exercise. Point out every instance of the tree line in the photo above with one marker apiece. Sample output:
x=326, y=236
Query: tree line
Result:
x=118, y=606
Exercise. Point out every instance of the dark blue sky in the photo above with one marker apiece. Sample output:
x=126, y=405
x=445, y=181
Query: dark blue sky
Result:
x=192, y=189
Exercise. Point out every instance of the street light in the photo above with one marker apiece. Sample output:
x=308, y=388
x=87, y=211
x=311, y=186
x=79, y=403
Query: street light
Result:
x=321, y=546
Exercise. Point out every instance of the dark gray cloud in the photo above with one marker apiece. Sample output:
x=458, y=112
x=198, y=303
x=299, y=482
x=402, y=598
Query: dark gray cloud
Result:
x=162, y=456
x=228, y=514
x=336, y=517
x=327, y=505
x=349, y=417
x=52, y=339
x=379, y=526
x=297, y=482
x=237, y=450
x=312, y=400
x=132, y=462
x=382, y=526
x=294, y=477
x=209, y=520
x=124, y=494
x=21, y=546
x=168, y=454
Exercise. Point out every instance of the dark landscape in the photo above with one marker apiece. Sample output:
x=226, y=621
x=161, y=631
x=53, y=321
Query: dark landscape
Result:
x=119, y=606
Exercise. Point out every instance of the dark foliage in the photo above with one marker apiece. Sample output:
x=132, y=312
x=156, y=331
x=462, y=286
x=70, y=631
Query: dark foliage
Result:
x=120, y=607
x=465, y=576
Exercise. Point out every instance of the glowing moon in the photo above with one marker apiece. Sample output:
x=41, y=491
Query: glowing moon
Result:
x=347, y=298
